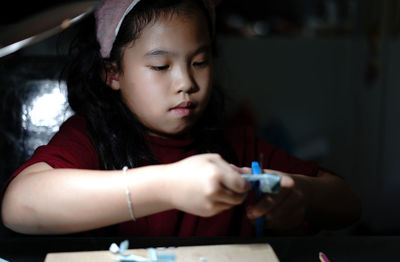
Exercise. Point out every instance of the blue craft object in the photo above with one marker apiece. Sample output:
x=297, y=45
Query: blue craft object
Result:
x=153, y=255
x=262, y=183
x=160, y=257
x=256, y=170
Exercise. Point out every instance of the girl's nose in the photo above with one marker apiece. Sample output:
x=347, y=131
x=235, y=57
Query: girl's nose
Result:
x=185, y=81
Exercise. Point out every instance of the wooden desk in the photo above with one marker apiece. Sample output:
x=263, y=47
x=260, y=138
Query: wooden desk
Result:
x=346, y=248
x=221, y=253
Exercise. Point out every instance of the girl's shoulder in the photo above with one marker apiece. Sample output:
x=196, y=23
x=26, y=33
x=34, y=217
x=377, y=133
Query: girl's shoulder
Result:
x=74, y=121
x=70, y=147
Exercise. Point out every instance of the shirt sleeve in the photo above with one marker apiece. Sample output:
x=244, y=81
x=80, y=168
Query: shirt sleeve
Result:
x=70, y=147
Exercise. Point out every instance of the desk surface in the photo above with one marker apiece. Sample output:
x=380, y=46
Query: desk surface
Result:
x=347, y=248
x=260, y=252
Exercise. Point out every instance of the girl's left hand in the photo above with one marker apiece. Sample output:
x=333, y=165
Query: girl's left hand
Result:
x=284, y=211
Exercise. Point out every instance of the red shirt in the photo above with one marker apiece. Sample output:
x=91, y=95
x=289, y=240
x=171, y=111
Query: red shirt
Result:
x=71, y=148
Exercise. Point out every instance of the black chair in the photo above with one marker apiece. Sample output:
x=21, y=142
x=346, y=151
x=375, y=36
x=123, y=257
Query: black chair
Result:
x=33, y=104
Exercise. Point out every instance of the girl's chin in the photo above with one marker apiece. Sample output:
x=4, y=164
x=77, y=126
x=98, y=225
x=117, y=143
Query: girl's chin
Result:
x=173, y=134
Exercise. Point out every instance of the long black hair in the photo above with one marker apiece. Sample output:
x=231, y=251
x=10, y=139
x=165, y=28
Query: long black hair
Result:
x=117, y=135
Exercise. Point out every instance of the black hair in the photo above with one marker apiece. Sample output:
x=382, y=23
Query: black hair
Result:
x=117, y=135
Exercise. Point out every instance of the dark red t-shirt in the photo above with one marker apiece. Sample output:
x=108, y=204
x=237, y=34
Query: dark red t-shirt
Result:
x=71, y=148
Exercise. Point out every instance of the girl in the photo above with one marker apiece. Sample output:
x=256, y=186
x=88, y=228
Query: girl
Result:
x=142, y=91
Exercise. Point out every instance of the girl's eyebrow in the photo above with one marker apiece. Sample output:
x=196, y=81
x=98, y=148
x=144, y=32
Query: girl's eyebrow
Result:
x=161, y=52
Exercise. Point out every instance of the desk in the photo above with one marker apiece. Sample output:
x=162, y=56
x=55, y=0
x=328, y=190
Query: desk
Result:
x=351, y=248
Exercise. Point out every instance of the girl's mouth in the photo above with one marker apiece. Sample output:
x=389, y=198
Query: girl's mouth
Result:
x=184, y=108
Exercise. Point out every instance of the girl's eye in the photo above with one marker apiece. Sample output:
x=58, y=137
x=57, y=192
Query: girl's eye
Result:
x=159, y=68
x=201, y=64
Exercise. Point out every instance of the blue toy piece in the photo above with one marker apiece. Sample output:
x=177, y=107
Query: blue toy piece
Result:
x=262, y=183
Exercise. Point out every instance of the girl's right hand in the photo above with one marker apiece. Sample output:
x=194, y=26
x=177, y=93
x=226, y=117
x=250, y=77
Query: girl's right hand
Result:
x=205, y=185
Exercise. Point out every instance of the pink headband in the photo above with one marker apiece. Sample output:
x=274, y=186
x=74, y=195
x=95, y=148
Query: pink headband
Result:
x=110, y=14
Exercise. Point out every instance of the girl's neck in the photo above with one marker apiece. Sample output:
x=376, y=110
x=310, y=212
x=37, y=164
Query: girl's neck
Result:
x=183, y=136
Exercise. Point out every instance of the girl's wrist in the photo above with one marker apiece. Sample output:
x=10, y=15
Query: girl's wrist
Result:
x=164, y=187
x=150, y=190
x=169, y=185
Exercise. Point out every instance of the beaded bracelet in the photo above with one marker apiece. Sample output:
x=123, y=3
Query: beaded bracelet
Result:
x=128, y=193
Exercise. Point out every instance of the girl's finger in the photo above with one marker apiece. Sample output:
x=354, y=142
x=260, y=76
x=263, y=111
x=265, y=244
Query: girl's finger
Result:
x=260, y=208
x=229, y=197
x=267, y=204
x=242, y=170
x=286, y=180
x=232, y=180
x=215, y=208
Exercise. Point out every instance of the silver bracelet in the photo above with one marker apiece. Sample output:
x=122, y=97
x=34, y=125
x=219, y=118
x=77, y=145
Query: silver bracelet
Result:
x=128, y=193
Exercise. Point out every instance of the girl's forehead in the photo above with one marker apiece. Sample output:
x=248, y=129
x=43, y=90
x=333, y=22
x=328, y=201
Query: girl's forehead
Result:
x=175, y=31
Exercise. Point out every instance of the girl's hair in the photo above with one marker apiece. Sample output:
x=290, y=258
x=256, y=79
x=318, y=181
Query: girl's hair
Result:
x=117, y=135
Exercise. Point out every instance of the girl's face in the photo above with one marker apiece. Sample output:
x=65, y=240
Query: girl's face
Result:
x=167, y=73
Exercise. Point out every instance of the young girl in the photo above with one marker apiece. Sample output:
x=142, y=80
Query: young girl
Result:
x=141, y=88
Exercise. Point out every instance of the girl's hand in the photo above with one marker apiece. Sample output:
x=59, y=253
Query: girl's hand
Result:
x=205, y=185
x=284, y=211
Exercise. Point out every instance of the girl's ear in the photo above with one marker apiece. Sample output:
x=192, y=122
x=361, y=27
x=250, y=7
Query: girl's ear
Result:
x=112, y=75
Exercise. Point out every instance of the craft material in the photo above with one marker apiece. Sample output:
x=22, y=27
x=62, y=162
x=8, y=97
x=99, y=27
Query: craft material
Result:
x=256, y=170
x=119, y=251
x=263, y=183
x=259, y=252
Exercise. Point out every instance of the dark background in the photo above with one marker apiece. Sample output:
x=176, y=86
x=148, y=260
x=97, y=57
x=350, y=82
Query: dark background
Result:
x=317, y=77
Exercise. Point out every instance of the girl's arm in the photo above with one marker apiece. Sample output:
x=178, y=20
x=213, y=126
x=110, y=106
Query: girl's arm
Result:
x=326, y=201
x=331, y=202
x=43, y=200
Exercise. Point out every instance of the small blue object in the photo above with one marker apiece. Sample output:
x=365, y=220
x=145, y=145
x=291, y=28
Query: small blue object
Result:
x=160, y=257
x=166, y=257
x=153, y=256
x=255, y=167
x=266, y=183
x=256, y=170
x=263, y=183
